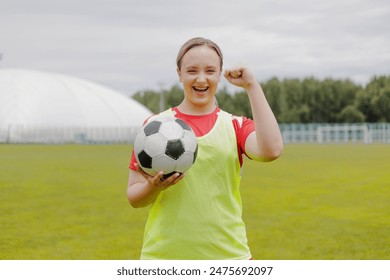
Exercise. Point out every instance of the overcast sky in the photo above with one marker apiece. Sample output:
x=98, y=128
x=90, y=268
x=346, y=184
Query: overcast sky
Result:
x=131, y=45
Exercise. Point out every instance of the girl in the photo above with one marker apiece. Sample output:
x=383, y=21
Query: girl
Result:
x=198, y=215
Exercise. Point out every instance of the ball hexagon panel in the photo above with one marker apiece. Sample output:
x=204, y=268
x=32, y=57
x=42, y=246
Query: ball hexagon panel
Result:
x=195, y=154
x=185, y=162
x=155, y=145
x=171, y=130
x=139, y=141
x=188, y=141
x=164, y=162
x=150, y=171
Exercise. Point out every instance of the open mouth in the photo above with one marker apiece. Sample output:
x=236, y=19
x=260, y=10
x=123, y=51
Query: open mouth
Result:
x=200, y=89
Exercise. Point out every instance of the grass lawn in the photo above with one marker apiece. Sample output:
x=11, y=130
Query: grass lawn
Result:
x=315, y=202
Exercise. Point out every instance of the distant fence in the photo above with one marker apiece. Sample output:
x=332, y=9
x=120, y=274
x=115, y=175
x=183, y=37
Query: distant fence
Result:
x=292, y=133
x=63, y=135
x=336, y=133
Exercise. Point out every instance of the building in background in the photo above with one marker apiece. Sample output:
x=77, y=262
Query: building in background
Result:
x=41, y=107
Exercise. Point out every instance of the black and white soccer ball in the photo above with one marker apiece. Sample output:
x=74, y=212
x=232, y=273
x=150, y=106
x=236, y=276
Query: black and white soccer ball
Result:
x=165, y=143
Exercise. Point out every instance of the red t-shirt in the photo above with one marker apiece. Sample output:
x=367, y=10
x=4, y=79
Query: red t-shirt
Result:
x=202, y=124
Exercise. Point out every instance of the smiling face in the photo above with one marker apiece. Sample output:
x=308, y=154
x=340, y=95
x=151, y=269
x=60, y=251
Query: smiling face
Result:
x=200, y=73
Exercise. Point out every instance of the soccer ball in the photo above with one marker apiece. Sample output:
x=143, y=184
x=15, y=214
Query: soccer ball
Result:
x=167, y=144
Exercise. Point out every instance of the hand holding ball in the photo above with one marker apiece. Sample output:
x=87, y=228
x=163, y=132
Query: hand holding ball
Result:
x=167, y=144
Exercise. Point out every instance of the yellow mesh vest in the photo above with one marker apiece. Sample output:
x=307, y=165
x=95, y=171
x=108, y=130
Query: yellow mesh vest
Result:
x=201, y=216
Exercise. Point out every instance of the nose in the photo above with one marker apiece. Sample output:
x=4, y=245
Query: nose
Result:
x=201, y=78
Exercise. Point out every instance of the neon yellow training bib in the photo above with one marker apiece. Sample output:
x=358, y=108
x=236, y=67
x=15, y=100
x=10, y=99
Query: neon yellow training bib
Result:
x=201, y=216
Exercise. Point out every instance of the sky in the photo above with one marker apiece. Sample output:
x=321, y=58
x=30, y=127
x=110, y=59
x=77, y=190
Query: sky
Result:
x=131, y=45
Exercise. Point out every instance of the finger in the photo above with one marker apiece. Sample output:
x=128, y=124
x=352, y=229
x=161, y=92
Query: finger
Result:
x=152, y=179
x=173, y=179
x=178, y=178
x=234, y=73
x=169, y=179
x=159, y=178
x=230, y=73
x=226, y=73
x=238, y=72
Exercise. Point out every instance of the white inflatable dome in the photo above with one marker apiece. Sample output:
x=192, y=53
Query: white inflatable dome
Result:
x=43, y=102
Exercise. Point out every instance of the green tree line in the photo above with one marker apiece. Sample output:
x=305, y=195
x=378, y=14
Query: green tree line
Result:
x=306, y=100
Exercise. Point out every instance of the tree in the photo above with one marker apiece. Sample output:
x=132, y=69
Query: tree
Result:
x=273, y=91
x=242, y=105
x=374, y=100
x=351, y=114
x=149, y=98
x=313, y=98
x=225, y=100
x=174, y=96
x=299, y=101
x=380, y=99
x=383, y=105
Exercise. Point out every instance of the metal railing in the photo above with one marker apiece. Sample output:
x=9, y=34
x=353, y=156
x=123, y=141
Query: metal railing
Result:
x=292, y=133
x=62, y=135
x=336, y=133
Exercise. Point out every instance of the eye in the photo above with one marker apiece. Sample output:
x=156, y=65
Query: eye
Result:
x=211, y=70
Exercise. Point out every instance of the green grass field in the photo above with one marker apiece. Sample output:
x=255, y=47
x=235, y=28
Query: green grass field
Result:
x=315, y=202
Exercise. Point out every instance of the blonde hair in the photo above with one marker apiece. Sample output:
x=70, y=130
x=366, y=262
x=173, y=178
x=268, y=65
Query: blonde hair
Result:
x=196, y=42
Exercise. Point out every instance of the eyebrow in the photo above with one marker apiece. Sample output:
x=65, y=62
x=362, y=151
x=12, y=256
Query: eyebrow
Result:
x=196, y=66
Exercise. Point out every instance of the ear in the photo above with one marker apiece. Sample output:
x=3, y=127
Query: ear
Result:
x=179, y=74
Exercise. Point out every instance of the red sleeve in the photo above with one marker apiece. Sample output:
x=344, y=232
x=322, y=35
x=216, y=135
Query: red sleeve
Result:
x=243, y=127
x=132, y=161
